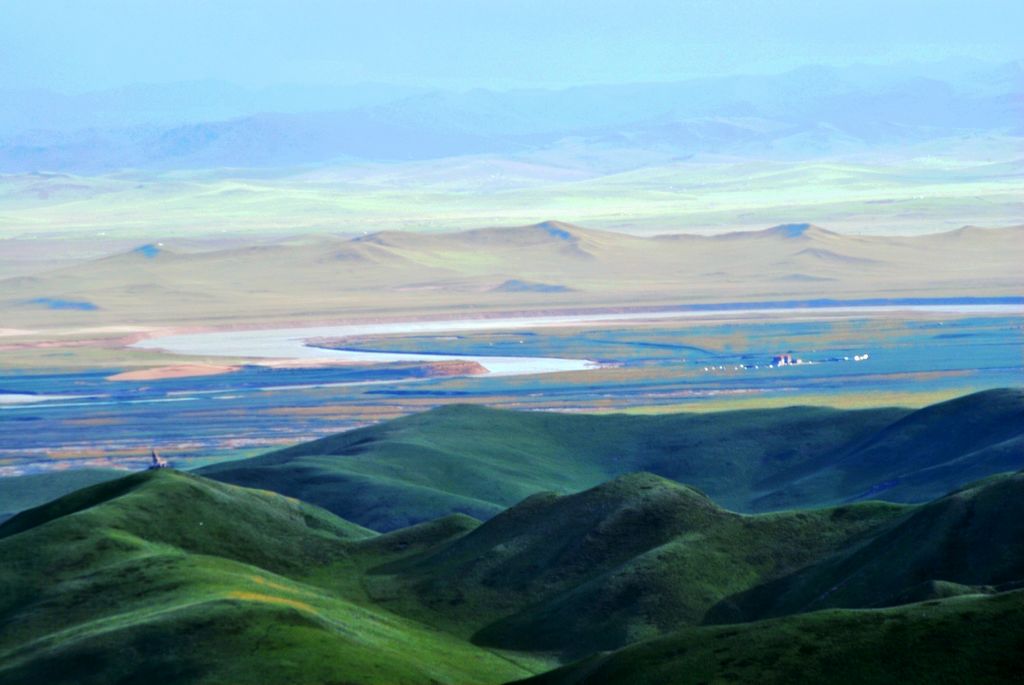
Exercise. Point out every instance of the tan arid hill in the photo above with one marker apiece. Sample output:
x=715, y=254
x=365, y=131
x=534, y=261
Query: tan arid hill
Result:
x=543, y=267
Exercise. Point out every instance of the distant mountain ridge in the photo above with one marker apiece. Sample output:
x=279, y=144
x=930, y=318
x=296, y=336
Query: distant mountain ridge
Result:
x=803, y=113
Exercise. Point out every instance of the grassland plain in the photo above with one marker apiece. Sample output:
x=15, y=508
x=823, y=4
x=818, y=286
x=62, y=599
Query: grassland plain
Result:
x=169, y=576
x=478, y=461
x=928, y=190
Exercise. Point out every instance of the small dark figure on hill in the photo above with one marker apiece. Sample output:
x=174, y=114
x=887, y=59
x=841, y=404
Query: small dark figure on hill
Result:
x=156, y=461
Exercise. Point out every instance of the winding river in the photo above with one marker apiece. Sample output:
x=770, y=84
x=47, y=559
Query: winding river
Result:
x=295, y=343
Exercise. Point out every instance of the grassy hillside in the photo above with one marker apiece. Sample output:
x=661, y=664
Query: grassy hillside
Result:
x=629, y=559
x=640, y=556
x=971, y=540
x=478, y=461
x=167, y=577
x=975, y=639
x=934, y=450
x=171, y=577
x=21, y=492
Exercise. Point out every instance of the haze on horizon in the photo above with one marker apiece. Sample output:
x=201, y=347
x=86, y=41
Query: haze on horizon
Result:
x=272, y=118
x=72, y=47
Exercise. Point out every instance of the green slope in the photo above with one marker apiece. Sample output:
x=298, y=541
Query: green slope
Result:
x=926, y=454
x=640, y=556
x=973, y=639
x=970, y=540
x=167, y=577
x=18, y=493
x=478, y=461
x=629, y=559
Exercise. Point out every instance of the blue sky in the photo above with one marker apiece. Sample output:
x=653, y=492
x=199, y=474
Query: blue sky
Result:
x=82, y=45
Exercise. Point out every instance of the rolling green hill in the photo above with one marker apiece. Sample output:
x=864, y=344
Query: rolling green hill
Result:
x=639, y=556
x=973, y=639
x=969, y=541
x=174, y=578
x=166, y=577
x=478, y=461
x=929, y=452
x=31, y=490
x=628, y=559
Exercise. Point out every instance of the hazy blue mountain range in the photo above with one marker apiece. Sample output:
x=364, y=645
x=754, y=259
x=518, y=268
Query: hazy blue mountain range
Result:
x=807, y=112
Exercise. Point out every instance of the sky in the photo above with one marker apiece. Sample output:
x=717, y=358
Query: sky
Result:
x=76, y=46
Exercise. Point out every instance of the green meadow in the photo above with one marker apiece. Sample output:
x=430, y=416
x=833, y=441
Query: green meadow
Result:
x=921, y=191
